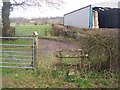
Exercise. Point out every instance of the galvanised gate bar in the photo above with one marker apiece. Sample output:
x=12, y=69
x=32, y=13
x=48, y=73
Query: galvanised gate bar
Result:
x=17, y=52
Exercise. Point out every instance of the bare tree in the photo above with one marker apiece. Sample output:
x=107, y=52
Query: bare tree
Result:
x=9, y=6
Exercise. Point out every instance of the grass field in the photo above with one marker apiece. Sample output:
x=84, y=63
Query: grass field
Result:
x=28, y=29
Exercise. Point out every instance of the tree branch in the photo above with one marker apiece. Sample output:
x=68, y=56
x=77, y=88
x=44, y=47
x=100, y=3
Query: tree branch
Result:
x=18, y=4
x=38, y=3
x=54, y=3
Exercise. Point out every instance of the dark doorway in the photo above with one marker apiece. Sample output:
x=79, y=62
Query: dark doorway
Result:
x=108, y=17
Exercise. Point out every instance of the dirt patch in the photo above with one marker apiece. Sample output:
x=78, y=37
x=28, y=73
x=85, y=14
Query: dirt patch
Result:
x=8, y=81
x=51, y=46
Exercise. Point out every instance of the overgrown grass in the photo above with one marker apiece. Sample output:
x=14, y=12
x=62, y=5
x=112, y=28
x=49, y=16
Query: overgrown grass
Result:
x=48, y=77
x=43, y=78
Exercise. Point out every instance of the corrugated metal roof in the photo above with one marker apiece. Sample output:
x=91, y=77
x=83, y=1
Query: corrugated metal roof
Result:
x=77, y=10
x=110, y=4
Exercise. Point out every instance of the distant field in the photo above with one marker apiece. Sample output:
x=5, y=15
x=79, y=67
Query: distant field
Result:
x=28, y=29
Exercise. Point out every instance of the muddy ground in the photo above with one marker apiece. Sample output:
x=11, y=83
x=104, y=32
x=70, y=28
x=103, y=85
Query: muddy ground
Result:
x=50, y=46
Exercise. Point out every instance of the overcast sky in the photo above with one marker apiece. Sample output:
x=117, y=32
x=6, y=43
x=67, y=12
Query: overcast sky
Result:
x=68, y=6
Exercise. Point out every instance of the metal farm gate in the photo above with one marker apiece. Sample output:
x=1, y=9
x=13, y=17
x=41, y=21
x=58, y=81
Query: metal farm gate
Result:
x=17, y=52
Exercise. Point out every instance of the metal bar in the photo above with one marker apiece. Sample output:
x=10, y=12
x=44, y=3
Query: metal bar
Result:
x=16, y=67
x=17, y=45
x=15, y=51
x=14, y=60
x=18, y=56
x=12, y=63
x=17, y=37
x=33, y=54
x=17, y=48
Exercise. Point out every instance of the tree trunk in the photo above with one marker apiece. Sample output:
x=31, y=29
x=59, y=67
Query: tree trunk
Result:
x=5, y=18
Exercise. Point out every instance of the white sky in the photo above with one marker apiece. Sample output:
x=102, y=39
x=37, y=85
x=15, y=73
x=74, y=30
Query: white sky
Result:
x=68, y=6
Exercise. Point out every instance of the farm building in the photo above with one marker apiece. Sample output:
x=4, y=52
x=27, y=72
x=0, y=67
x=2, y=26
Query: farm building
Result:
x=101, y=15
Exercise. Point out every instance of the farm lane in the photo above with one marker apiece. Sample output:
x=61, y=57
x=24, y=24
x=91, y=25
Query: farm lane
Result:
x=51, y=46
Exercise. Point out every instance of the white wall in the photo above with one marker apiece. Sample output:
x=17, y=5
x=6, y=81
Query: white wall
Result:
x=78, y=18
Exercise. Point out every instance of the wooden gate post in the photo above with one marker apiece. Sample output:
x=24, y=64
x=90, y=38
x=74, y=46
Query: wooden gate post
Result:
x=35, y=35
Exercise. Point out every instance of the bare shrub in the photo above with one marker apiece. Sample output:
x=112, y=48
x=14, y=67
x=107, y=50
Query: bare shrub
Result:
x=61, y=30
x=103, y=48
x=35, y=23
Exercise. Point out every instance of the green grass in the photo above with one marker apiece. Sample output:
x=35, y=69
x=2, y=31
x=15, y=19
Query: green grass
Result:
x=28, y=29
x=54, y=78
x=49, y=77
x=44, y=78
